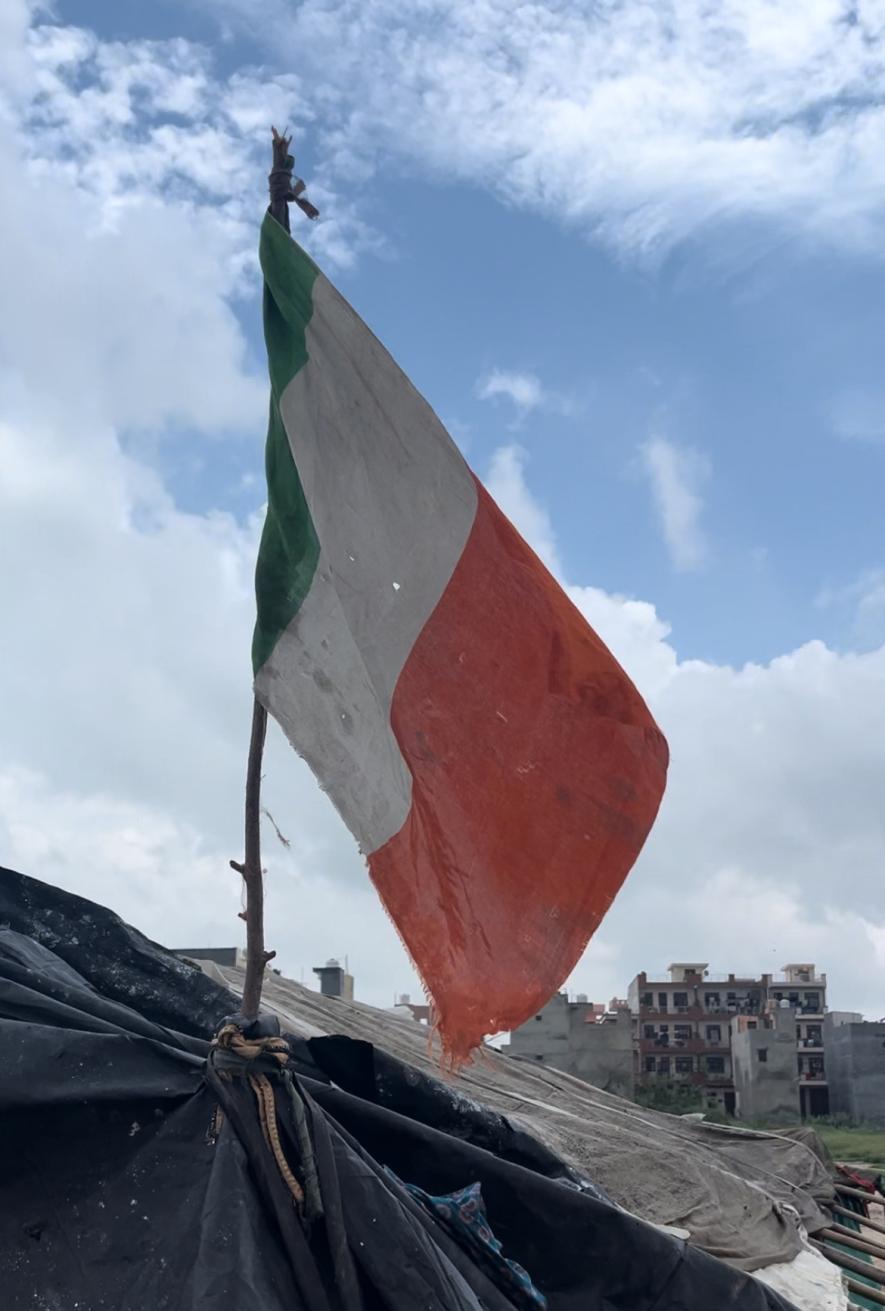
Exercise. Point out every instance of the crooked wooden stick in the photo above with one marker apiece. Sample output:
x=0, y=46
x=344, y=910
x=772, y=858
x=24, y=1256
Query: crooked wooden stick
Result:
x=253, y=875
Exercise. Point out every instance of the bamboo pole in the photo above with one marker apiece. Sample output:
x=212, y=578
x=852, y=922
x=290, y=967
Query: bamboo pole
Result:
x=861, y=1193
x=849, y=1263
x=864, y=1290
x=839, y=1234
x=854, y=1215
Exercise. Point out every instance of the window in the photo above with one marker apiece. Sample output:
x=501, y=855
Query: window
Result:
x=711, y=1001
x=663, y=1064
x=680, y=998
x=682, y=1032
x=714, y=1034
x=684, y=1065
x=762, y=1054
x=814, y=1034
x=812, y=1002
x=751, y=1024
x=648, y=1031
x=539, y=1017
x=662, y=1000
x=647, y=999
x=715, y=1064
x=651, y=1064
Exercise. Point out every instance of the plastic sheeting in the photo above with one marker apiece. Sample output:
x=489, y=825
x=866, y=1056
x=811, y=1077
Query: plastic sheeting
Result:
x=113, y=1193
x=727, y=1186
x=809, y=1280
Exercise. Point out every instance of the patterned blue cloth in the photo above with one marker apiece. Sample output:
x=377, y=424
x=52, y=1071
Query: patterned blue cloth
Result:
x=463, y=1215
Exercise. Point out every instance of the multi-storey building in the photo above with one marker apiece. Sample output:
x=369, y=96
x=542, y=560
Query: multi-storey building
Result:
x=805, y=993
x=682, y=1028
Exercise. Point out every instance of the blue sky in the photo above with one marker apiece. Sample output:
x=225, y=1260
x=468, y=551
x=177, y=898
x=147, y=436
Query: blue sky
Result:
x=632, y=255
x=739, y=346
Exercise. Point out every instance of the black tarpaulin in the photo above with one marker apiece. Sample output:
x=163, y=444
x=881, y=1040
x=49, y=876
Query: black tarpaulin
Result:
x=114, y=1193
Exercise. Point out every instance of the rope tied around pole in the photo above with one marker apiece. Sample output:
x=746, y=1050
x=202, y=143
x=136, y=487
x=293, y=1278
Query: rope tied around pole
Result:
x=261, y=1058
x=233, y=1051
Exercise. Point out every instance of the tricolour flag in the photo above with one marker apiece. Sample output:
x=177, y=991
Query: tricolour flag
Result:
x=496, y=765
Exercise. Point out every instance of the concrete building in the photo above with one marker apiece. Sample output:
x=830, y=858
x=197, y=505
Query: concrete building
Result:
x=805, y=992
x=682, y=1028
x=842, y=1017
x=855, y=1054
x=582, y=1038
x=764, y=1066
x=334, y=980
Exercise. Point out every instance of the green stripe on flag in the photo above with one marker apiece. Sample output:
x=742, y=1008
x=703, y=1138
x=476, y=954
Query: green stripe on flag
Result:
x=289, y=550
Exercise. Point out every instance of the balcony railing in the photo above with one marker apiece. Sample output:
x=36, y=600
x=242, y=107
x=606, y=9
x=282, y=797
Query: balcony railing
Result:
x=727, y=1009
x=683, y=1047
x=730, y=1009
x=664, y=1076
x=813, y=981
x=692, y=1012
x=741, y=980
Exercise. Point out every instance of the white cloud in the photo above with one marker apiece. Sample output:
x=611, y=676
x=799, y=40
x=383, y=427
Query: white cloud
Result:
x=126, y=673
x=867, y=591
x=125, y=715
x=872, y=596
x=159, y=873
x=676, y=474
x=859, y=415
x=632, y=628
x=506, y=482
x=863, y=602
x=523, y=389
x=644, y=124
x=105, y=333
x=115, y=127
x=526, y=393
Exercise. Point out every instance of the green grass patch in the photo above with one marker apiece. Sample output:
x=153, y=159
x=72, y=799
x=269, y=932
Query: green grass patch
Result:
x=852, y=1143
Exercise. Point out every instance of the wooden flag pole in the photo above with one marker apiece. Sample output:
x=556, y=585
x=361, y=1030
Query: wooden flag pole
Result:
x=282, y=190
x=253, y=875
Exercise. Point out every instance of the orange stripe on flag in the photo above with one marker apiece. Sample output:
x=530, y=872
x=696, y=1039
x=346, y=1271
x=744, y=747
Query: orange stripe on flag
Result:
x=537, y=774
